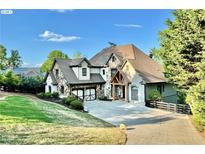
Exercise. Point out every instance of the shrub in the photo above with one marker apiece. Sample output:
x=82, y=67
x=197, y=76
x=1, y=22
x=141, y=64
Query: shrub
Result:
x=155, y=96
x=41, y=95
x=196, y=99
x=55, y=95
x=76, y=104
x=31, y=84
x=47, y=95
x=68, y=100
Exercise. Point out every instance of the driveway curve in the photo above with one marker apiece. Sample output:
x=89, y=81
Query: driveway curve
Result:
x=146, y=125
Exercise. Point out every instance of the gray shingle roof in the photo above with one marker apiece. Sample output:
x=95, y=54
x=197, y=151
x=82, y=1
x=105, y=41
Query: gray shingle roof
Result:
x=78, y=61
x=69, y=75
x=53, y=78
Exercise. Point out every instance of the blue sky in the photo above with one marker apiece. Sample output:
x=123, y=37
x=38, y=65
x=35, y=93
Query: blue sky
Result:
x=34, y=33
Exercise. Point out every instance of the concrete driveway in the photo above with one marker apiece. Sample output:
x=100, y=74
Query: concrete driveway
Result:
x=147, y=125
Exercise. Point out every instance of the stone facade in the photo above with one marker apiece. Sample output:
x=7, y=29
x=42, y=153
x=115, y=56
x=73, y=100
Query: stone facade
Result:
x=61, y=82
x=110, y=65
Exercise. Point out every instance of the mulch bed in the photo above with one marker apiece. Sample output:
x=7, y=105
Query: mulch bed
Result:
x=58, y=101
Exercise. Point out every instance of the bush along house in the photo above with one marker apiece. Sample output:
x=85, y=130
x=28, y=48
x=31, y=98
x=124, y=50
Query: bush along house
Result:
x=117, y=72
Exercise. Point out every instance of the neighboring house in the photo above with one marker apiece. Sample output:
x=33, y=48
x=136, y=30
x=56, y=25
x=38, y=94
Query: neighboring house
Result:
x=118, y=72
x=28, y=71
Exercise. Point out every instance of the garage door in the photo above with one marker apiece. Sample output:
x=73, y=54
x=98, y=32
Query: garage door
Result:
x=90, y=94
x=78, y=92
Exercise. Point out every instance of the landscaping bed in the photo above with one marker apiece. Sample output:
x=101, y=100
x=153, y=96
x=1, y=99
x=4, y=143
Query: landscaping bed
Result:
x=70, y=101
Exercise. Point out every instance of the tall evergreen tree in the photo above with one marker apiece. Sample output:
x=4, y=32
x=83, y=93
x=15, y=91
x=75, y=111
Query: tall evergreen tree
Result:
x=181, y=47
x=182, y=50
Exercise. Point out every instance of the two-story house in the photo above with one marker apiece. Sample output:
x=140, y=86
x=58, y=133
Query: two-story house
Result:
x=75, y=76
x=118, y=72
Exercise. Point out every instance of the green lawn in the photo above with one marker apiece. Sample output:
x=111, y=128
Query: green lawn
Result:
x=32, y=121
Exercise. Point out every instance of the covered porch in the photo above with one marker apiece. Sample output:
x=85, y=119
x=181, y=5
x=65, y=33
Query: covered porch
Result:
x=120, y=86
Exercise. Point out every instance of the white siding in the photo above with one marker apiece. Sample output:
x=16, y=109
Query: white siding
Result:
x=81, y=77
x=106, y=73
x=49, y=83
x=76, y=71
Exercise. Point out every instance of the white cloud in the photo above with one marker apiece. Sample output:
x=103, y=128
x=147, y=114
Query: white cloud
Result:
x=53, y=37
x=61, y=10
x=38, y=65
x=128, y=25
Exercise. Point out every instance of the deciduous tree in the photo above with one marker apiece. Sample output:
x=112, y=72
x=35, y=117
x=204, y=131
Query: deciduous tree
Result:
x=77, y=55
x=52, y=55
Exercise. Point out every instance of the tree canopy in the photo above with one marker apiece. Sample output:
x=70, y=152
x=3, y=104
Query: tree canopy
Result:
x=14, y=61
x=181, y=47
x=77, y=55
x=52, y=55
x=2, y=57
x=182, y=51
x=11, y=62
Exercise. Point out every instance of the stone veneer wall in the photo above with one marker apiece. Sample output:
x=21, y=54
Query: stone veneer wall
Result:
x=110, y=66
x=61, y=82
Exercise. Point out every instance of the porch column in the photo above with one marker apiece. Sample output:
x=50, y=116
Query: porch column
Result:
x=113, y=91
x=126, y=93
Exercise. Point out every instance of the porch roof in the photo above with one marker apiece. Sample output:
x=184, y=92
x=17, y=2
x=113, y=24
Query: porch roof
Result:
x=124, y=79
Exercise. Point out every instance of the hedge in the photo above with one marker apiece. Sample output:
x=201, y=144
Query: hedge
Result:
x=76, y=104
x=155, y=95
x=196, y=99
x=68, y=100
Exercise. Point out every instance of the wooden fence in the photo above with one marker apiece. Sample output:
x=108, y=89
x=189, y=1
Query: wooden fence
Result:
x=179, y=108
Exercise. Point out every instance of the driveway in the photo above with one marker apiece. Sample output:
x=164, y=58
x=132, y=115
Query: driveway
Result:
x=146, y=125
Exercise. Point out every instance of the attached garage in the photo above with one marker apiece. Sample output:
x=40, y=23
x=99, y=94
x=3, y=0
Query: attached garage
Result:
x=87, y=94
x=90, y=94
x=79, y=93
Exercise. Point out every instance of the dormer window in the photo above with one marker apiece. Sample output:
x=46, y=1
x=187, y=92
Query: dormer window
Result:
x=84, y=71
x=113, y=58
x=57, y=73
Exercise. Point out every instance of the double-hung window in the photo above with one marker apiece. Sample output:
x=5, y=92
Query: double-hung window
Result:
x=84, y=71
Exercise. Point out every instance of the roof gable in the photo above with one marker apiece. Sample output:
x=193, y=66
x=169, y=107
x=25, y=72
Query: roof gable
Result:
x=79, y=61
x=148, y=69
x=65, y=66
x=124, y=51
x=117, y=56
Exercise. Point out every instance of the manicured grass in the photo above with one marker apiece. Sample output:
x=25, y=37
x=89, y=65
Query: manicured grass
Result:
x=33, y=121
